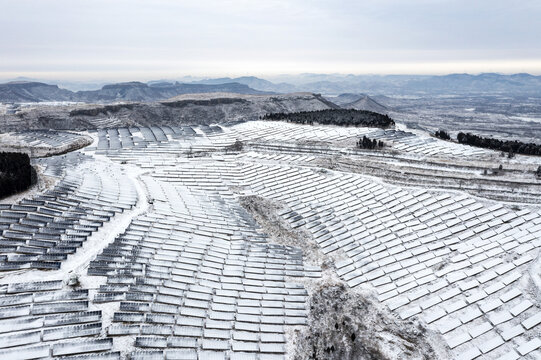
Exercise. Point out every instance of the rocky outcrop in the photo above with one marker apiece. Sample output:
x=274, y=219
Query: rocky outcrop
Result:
x=345, y=325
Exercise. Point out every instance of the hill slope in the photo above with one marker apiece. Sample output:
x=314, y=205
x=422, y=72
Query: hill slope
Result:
x=184, y=109
x=358, y=102
x=23, y=91
x=366, y=103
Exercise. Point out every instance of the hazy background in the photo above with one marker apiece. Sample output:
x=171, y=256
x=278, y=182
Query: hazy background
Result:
x=144, y=40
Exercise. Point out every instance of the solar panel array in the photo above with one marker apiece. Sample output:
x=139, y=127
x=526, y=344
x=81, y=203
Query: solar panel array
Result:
x=49, y=138
x=40, y=232
x=455, y=262
x=43, y=319
x=194, y=277
x=205, y=138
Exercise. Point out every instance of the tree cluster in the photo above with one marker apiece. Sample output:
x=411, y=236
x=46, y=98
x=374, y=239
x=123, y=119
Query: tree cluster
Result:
x=15, y=173
x=538, y=172
x=367, y=143
x=340, y=117
x=442, y=134
x=512, y=147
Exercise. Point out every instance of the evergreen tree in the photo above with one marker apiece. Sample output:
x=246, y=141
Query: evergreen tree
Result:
x=15, y=173
x=511, y=147
x=340, y=117
x=367, y=143
x=442, y=134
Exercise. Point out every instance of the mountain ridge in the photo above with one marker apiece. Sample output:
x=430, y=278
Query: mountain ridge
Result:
x=25, y=91
x=329, y=85
x=199, y=108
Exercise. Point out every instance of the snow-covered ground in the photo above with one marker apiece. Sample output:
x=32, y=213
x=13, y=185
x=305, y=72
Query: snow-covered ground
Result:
x=246, y=250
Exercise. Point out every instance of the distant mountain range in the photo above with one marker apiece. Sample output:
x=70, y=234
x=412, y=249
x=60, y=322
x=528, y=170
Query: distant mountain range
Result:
x=254, y=83
x=328, y=85
x=20, y=92
x=453, y=84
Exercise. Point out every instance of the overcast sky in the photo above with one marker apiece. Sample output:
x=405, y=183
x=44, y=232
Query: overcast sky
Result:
x=152, y=39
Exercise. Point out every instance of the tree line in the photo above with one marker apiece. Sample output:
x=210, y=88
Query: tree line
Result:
x=15, y=173
x=509, y=146
x=340, y=117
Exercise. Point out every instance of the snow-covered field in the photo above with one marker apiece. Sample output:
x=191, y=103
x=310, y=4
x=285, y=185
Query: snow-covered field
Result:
x=237, y=241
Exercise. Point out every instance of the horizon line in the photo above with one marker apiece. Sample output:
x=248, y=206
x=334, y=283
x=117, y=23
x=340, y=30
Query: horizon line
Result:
x=29, y=78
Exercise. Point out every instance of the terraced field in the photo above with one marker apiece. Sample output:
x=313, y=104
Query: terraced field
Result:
x=144, y=248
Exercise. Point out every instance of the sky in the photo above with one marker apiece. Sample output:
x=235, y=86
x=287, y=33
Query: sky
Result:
x=166, y=39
